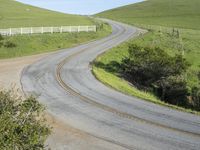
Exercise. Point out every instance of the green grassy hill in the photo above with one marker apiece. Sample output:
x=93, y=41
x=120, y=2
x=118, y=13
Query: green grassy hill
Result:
x=173, y=13
x=15, y=14
x=160, y=16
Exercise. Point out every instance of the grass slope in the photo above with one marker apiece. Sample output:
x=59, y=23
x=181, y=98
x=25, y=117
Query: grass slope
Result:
x=113, y=79
x=15, y=14
x=159, y=16
x=173, y=13
x=40, y=43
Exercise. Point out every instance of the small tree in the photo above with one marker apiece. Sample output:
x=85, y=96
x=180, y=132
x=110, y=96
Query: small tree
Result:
x=1, y=37
x=196, y=97
x=21, y=124
x=173, y=90
x=149, y=65
x=9, y=44
x=153, y=68
x=1, y=40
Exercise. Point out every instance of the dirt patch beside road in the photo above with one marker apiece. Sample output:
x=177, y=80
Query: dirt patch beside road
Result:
x=10, y=70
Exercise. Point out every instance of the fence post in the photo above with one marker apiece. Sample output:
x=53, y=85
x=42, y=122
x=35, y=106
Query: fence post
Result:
x=10, y=31
x=78, y=28
x=61, y=29
x=41, y=30
x=51, y=30
x=93, y=28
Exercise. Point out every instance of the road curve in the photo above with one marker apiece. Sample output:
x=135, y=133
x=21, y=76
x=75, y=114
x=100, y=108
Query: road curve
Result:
x=64, y=83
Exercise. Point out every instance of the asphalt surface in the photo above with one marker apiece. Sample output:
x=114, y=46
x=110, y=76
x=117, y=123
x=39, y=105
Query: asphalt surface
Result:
x=64, y=83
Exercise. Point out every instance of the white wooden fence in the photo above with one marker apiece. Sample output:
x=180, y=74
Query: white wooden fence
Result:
x=41, y=30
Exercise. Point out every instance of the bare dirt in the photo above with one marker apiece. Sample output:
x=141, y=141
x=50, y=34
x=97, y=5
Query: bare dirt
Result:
x=10, y=70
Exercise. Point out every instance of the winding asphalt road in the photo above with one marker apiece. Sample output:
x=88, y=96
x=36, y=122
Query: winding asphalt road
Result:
x=64, y=83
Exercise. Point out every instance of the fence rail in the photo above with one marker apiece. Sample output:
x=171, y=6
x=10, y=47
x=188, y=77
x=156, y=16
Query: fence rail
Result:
x=41, y=30
x=167, y=29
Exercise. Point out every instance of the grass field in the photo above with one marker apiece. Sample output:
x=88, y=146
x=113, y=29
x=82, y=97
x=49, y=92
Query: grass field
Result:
x=15, y=14
x=169, y=13
x=161, y=16
x=40, y=43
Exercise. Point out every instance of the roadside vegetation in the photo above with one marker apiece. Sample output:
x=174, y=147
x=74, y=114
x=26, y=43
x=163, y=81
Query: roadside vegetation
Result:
x=153, y=70
x=22, y=125
x=14, y=14
x=22, y=45
x=176, y=37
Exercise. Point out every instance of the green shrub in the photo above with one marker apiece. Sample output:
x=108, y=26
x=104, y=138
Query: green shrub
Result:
x=153, y=69
x=1, y=44
x=1, y=40
x=198, y=75
x=9, y=44
x=1, y=37
x=196, y=97
x=21, y=123
x=173, y=90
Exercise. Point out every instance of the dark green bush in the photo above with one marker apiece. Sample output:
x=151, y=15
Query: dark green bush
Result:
x=198, y=75
x=196, y=97
x=173, y=90
x=1, y=37
x=9, y=44
x=153, y=69
x=1, y=44
x=1, y=40
x=21, y=123
x=149, y=65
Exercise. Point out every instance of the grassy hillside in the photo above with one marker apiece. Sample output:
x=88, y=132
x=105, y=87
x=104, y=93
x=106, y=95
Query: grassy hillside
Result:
x=35, y=44
x=15, y=14
x=173, y=13
x=160, y=17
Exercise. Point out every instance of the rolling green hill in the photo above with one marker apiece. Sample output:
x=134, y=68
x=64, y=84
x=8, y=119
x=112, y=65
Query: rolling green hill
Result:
x=15, y=14
x=173, y=13
x=161, y=18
